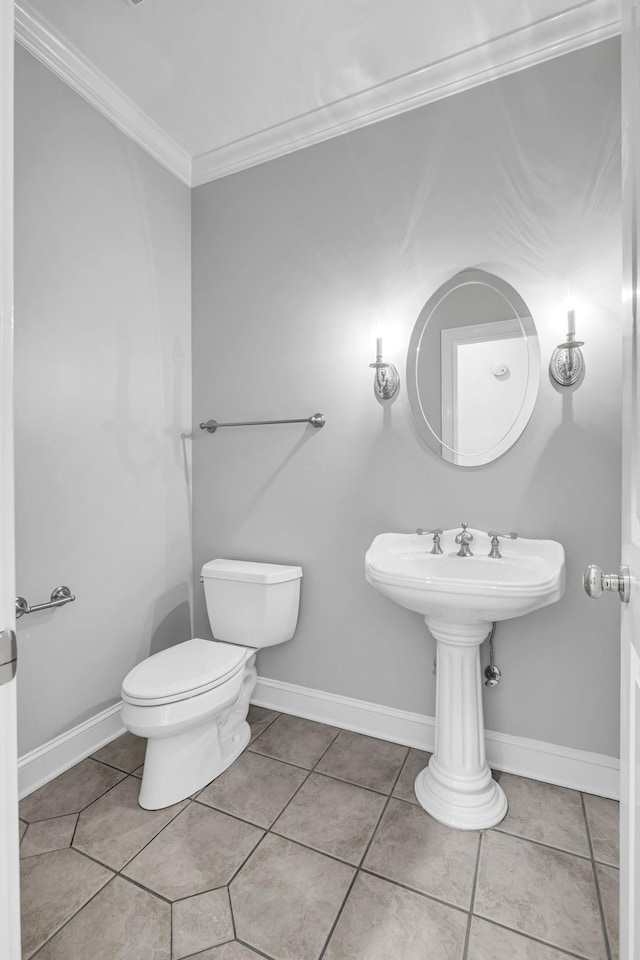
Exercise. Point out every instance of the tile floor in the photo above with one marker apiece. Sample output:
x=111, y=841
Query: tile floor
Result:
x=310, y=846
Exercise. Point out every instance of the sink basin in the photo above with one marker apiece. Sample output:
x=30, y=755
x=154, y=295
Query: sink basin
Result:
x=459, y=598
x=529, y=575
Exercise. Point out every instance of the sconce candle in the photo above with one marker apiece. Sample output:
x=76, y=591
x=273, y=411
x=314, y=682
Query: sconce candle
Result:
x=567, y=363
x=387, y=379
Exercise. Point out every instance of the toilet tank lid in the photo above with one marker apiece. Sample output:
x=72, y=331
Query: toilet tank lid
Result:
x=249, y=571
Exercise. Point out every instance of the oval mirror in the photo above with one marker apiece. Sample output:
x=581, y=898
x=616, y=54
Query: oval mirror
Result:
x=473, y=368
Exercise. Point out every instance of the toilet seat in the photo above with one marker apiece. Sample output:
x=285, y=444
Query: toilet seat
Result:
x=183, y=671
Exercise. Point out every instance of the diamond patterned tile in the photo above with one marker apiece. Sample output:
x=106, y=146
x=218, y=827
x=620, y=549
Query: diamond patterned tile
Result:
x=544, y=812
x=115, y=828
x=122, y=923
x=604, y=824
x=609, y=881
x=228, y=951
x=286, y=899
x=364, y=761
x=71, y=791
x=259, y=719
x=200, y=922
x=254, y=788
x=295, y=740
x=331, y=816
x=126, y=753
x=53, y=887
x=381, y=921
x=490, y=942
x=45, y=836
x=540, y=892
x=200, y=850
x=416, y=761
x=412, y=848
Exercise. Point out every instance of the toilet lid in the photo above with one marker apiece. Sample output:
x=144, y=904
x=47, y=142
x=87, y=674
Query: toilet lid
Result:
x=187, y=668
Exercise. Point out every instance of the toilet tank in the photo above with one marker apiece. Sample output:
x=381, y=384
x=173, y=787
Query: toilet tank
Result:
x=251, y=604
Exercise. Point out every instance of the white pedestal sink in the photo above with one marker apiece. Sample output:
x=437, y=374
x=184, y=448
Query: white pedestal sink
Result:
x=460, y=597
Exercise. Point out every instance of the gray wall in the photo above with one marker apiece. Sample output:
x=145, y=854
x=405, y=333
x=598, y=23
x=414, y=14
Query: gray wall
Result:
x=102, y=303
x=294, y=259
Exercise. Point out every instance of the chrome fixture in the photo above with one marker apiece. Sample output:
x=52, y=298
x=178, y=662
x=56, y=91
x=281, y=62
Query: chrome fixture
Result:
x=596, y=582
x=464, y=538
x=567, y=363
x=495, y=545
x=8, y=656
x=492, y=673
x=386, y=382
x=59, y=597
x=317, y=420
x=436, y=538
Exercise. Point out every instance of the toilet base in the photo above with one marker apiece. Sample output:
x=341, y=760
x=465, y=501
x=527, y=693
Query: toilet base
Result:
x=179, y=766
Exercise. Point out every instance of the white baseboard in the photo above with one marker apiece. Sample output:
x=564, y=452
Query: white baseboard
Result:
x=41, y=765
x=578, y=769
x=592, y=772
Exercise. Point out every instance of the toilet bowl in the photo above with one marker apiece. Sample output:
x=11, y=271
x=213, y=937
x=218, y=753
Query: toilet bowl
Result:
x=191, y=701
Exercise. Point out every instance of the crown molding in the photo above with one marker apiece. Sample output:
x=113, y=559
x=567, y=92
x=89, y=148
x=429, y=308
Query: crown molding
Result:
x=580, y=26
x=40, y=39
x=584, y=24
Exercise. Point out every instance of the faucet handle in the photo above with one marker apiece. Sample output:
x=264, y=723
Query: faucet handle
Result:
x=495, y=545
x=464, y=536
x=436, y=538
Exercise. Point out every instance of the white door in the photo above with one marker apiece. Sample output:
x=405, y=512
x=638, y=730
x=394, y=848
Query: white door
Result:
x=630, y=640
x=9, y=888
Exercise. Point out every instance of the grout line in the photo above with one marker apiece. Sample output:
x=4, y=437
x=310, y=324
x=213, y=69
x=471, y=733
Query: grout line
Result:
x=287, y=804
x=534, y=939
x=250, y=946
x=301, y=843
x=233, y=917
x=541, y=843
x=73, y=835
x=273, y=720
x=472, y=902
x=339, y=913
x=171, y=931
x=82, y=809
x=169, y=822
x=69, y=919
x=250, y=854
x=603, y=921
x=421, y=893
x=362, y=859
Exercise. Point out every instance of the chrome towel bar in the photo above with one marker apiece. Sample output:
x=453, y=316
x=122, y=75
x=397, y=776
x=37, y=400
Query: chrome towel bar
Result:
x=59, y=597
x=317, y=420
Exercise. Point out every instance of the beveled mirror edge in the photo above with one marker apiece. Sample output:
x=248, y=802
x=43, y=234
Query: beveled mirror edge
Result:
x=522, y=418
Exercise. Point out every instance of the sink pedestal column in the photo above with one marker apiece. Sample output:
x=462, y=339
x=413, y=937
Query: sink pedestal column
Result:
x=457, y=788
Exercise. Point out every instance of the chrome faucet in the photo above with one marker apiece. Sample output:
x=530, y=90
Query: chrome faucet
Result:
x=464, y=538
x=436, y=538
x=494, y=553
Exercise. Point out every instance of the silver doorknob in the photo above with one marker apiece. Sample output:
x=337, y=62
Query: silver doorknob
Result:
x=595, y=582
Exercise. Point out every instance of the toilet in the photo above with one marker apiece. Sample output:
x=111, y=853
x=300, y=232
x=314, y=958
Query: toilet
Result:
x=191, y=701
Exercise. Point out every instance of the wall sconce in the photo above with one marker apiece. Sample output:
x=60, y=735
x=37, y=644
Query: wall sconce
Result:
x=567, y=363
x=386, y=382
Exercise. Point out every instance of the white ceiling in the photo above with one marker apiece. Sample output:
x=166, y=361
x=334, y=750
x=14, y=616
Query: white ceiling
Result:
x=213, y=86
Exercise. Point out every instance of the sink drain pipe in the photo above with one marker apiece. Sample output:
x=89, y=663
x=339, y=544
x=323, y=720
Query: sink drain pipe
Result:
x=493, y=676
x=492, y=673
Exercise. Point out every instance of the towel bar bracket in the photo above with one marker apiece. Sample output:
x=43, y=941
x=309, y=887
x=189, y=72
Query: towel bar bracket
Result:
x=59, y=597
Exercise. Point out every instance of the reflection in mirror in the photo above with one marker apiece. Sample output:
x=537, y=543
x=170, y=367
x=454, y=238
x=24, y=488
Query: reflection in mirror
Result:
x=473, y=368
